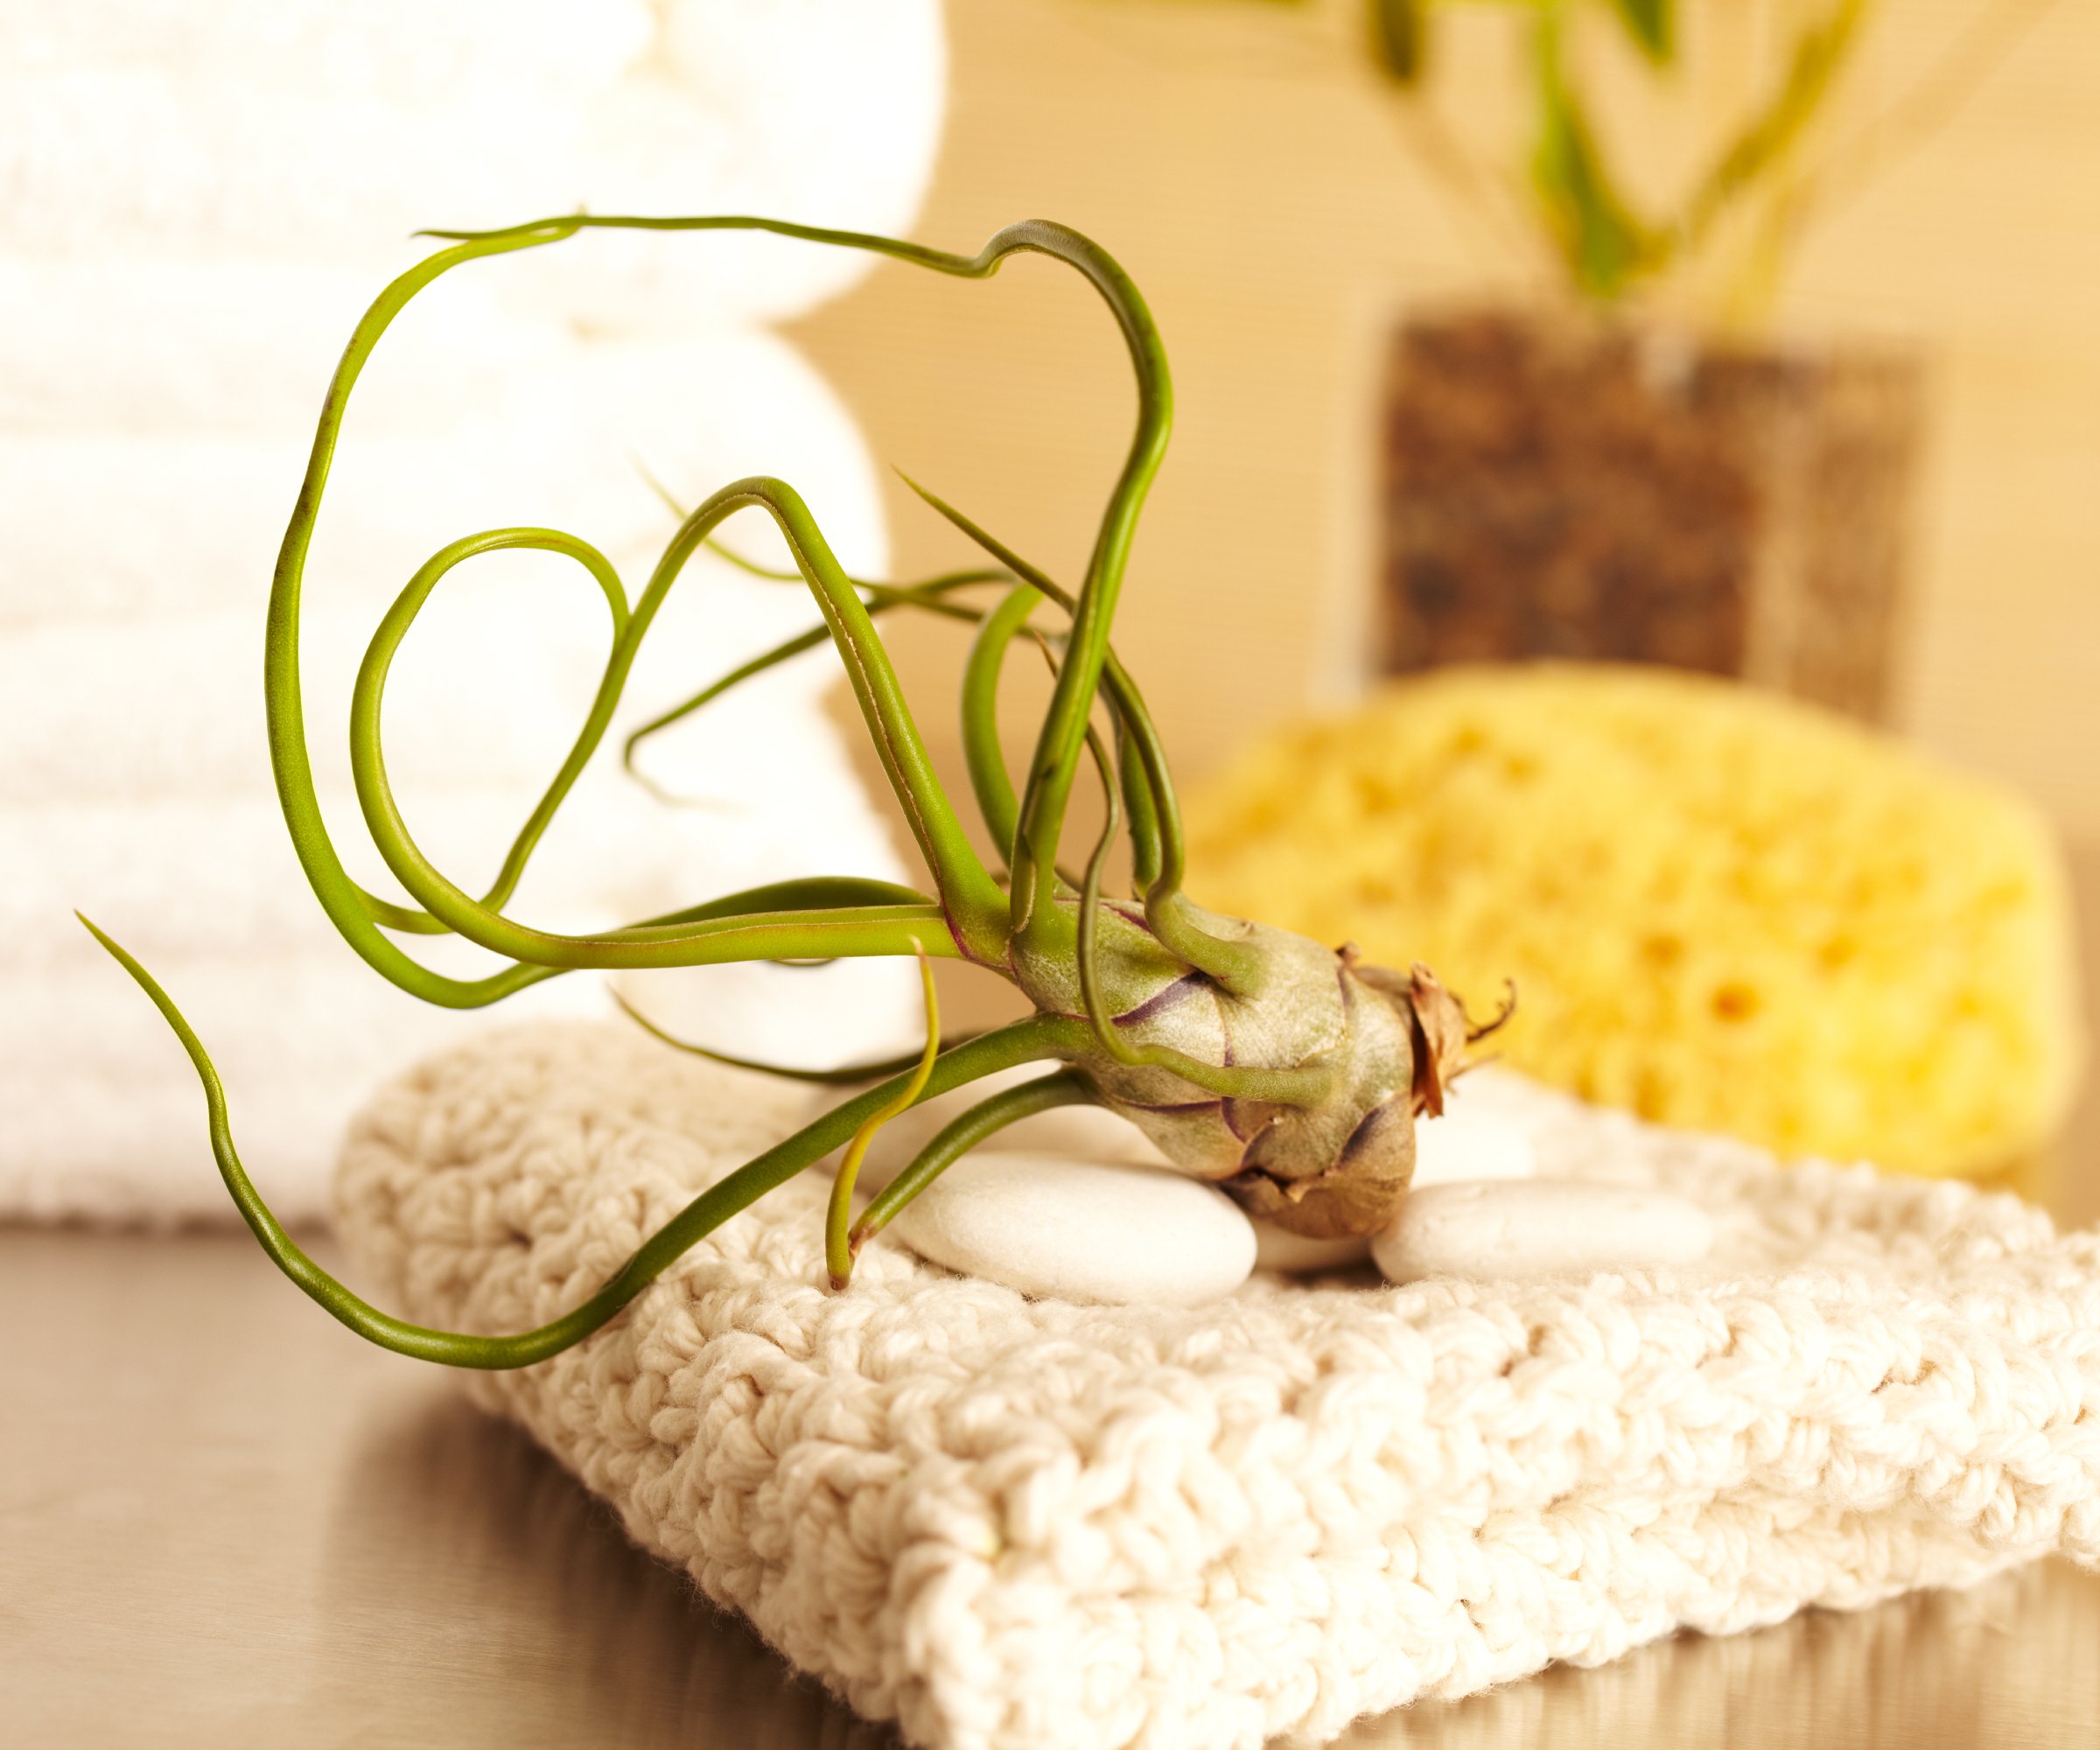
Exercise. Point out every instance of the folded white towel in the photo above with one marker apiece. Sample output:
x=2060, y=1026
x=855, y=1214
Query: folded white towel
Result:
x=824, y=112
x=101, y=527
x=200, y=205
x=100, y=1116
x=304, y=133
x=500, y=672
x=136, y=786
x=411, y=52
x=190, y=874
x=145, y=347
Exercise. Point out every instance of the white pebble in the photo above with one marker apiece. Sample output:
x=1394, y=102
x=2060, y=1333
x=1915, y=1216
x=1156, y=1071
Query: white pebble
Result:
x=1541, y=1226
x=1067, y=1230
x=1087, y=1132
x=1466, y=1142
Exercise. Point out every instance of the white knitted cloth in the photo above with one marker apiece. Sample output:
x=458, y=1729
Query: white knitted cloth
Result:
x=1028, y=1523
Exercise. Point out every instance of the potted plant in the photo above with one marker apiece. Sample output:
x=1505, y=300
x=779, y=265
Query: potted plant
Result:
x=1633, y=467
x=1576, y=479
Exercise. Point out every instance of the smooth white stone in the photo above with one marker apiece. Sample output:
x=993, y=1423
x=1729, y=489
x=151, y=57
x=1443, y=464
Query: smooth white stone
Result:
x=1085, y=1132
x=1067, y=1230
x=1467, y=1142
x=1490, y=1230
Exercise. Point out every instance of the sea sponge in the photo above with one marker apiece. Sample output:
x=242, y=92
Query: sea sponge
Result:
x=1722, y=909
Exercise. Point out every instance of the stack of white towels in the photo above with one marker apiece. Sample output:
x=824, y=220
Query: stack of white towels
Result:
x=196, y=204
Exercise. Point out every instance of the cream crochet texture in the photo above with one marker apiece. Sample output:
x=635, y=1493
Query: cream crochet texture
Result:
x=1028, y=1523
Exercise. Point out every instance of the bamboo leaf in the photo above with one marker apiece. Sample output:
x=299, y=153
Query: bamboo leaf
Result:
x=1775, y=131
x=1653, y=24
x=1399, y=39
x=1602, y=242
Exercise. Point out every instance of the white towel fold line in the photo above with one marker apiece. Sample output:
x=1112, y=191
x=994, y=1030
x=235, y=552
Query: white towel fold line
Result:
x=96, y=526
x=100, y=1112
x=100, y=527
x=493, y=690
x=299, y=1025
x=495, y=678
x=191, y=348
x=810, y=1015
x=295, y=1061
x=223, y=879
x=191, y=875
x=234, y=162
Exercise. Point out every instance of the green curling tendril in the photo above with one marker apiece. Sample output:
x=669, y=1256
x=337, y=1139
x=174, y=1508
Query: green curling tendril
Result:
x=971, y=914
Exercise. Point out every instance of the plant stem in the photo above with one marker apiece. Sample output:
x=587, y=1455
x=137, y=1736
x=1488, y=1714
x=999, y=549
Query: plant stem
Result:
x=1025, y=1042
x=981, y=752
x=986, y=1119
x=838, y=1251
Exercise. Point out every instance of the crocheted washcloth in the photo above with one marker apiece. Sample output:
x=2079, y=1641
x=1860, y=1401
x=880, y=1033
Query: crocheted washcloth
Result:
x=1028, y=1523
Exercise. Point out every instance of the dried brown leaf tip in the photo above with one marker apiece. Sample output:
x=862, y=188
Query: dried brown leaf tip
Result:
x=1441, y=1034
x=1439, y=1028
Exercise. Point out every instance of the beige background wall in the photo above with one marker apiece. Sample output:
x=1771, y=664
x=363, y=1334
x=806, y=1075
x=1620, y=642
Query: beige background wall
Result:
x=1252, y=177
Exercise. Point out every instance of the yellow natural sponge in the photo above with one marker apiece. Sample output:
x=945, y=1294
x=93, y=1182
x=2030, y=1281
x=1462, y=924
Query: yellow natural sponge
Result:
x=1722, y=909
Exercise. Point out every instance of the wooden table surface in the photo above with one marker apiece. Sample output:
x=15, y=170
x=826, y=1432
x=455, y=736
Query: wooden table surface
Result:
x=224, y=1521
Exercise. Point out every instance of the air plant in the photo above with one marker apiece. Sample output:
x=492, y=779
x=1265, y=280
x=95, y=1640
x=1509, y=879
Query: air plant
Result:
x=1288, y=1073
